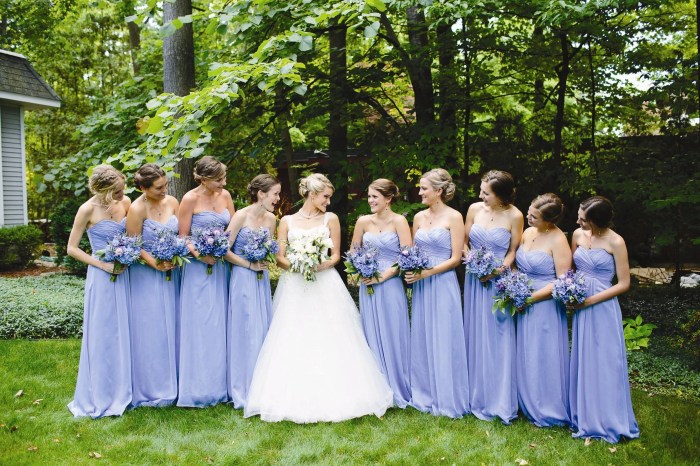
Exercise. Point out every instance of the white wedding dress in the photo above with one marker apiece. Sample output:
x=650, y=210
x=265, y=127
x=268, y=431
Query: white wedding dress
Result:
x=315, y=365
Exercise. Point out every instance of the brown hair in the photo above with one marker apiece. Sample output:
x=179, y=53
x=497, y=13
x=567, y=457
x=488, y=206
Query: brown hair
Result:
x=599, y=211
x=386, y=188
x=147, y=175
x=262, y=183
x=104, y=180
x=314, y=183
x=502, y=185
x=550, y=206
x=208, y=168
x=439, y=178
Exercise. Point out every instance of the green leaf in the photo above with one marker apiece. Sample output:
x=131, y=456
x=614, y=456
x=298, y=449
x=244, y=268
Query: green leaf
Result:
x=177, y=23
x=155, y=124
x=306, y=43
x=376, y=4
x=300, y=89
x=372, y=30
x=187, y=19
x=167, y=30
x=49, y=177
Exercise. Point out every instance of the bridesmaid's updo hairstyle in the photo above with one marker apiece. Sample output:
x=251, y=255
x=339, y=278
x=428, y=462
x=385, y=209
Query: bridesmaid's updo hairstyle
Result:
x=550, y=206
x=262, y=183
x=104, y=181
x=208, y=168
x=439, y=178
x=314, y=184
x=386, y=188
x=599, y=211
x=147, y=175
x=502, y=185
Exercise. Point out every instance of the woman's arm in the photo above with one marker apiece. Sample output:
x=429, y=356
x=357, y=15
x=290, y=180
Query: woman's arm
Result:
x=457, y=244
x=562, y=262
x=334, y=227
x=622, y=270
x=82, y=217
x=282, y=231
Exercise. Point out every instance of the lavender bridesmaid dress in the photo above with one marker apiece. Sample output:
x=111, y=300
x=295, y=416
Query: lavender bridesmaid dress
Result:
x=152, y=322
x=249, y=315
x=203, y=308
x=542, y=348
x=385, y=319
x=601, y=405
x=490, y=338
x=439, y=377
x=104, y=373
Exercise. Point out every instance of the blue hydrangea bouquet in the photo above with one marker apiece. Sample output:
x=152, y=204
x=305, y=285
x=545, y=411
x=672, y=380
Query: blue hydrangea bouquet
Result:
x=260, y=246
x=123, y=250
x=513, y=291
x=363, y=261
x=211, y=241
x=168, y=246
x=570, y=288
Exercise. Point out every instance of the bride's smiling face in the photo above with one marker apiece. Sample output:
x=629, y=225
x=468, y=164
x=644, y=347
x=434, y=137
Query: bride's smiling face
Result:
x=322, y=199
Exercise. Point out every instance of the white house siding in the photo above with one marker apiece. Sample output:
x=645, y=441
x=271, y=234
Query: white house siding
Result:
x=12, y=167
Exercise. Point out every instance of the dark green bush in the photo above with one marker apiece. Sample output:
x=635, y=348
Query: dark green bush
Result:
x=19, y=246
x=662, y=375
x=41, y=307
x=61, y=224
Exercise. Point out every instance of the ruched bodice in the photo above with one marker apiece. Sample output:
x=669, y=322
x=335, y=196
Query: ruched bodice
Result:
x=103, y=231
x=209, y=218
x=152, y=227
x=436, y=243
x=387, y=244
x=537, y=265
x=242, y=239
x=496, y=239
x=596, y=263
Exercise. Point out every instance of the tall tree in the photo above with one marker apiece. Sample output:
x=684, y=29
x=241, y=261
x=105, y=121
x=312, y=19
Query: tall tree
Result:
x=179, y=77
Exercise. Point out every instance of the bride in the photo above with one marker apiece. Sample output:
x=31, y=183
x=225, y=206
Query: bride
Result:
x=315, y=364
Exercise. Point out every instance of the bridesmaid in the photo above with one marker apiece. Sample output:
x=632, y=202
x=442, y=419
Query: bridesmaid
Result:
x=601, y=405
x=249, y=299
x=104, y=373
x=203, y=297
x=497, y=224
x=439, y=380
x=152, y=309
x=542, y=354
x=385, y=313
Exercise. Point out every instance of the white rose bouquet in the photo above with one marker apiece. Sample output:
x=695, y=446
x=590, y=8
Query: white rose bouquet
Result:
x=306, y=252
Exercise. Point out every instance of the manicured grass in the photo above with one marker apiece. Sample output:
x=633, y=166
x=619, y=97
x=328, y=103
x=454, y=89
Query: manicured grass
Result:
x=44, y=432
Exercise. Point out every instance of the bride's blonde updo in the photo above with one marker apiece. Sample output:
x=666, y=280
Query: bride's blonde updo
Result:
x=314, y=184
x=105, y=179
x=439, y=178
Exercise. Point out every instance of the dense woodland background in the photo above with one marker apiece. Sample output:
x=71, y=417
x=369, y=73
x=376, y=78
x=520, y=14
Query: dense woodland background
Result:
x=574, y=97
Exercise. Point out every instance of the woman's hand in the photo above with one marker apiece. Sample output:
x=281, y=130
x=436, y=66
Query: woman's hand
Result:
x=259, y=266
x=162, y=266
x=112, y=267
x=209, y=260
x=371, y=281
x=412, y=277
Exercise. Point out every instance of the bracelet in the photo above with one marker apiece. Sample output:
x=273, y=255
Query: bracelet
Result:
x=249, y=264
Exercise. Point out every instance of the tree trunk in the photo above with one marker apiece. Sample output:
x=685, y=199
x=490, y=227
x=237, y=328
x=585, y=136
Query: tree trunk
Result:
x=563, y=69
x=420, y=64
x=337, y=128
x=467, y=99
x=134, y=46
x=539, y=98
x=448, y=91
x=178, y=78
x=286, y=139
x=594, y=109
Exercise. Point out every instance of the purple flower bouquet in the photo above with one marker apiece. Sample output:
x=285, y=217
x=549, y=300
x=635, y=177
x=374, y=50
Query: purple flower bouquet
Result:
x=123, y=250
x=570, y=288
x=260, y=246
x=481, y=261
x=363, y=261
x=211, y=241
x=412, y=259
x=513, y=291
x=168, y=246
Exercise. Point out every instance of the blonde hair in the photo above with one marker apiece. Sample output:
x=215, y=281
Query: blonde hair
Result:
x=439, y=178
x=314, y=184
x=208, y=168
x=104, y=180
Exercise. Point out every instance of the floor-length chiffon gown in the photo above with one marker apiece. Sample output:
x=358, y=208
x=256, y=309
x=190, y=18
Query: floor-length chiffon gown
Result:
x=152, y=315
x=439, y=377
x=385, y=318
x=542, y=348
x=249, y=315
x=203, y=309
x=490, y=338
x=315, y=365
x=601, y=404
x=104, y=373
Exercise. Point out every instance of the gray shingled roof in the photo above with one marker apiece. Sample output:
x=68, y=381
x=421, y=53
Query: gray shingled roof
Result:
x=18, y=76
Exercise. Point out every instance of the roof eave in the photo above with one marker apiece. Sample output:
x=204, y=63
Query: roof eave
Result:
x=29, y=102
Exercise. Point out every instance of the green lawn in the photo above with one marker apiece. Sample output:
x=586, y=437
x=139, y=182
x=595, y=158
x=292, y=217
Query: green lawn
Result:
x=37, y=428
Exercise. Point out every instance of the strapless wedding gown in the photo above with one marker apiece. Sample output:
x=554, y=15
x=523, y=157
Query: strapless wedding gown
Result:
x=315, y=365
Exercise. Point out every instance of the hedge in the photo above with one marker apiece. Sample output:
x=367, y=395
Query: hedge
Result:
x=19, y=245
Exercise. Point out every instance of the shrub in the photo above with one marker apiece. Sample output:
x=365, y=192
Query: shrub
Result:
x=61, y=224
x=636, y=333
x=19, y=245
x=662, y=375
x=41, y=307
